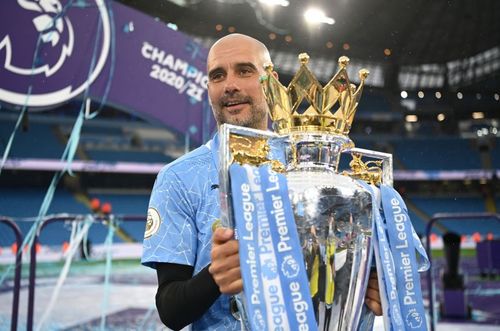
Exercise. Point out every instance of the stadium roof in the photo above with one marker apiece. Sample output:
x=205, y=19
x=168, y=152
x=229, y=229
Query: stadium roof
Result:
x=412, y=40
x=416, y=31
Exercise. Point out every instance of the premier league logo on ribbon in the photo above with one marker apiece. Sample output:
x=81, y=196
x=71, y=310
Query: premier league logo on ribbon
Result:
x=306, y=230
x=45, y=44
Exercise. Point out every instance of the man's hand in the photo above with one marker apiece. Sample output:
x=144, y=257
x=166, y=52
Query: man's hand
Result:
x=225, y=267
x=372, y=298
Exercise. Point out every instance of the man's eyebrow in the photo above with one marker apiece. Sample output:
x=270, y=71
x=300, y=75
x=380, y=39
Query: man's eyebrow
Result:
x=246, y=64
x=237, y=65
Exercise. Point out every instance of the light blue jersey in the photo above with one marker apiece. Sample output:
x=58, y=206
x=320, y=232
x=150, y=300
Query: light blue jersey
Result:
x=184, y=204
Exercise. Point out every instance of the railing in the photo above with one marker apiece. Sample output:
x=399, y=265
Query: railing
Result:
x=33, y=259
x=17, y=271
x=434, y=219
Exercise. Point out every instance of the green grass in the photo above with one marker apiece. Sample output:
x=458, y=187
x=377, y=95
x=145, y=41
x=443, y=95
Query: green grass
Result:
x=465, y=252
x=97, y=267
x=92, y=267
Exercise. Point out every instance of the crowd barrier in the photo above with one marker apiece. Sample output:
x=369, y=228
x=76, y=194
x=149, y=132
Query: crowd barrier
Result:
x=17, y=270
x=449, y=217
x=140, y=218
x=33, y=257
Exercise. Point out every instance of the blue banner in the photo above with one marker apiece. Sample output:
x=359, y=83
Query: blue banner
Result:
x=401, y=240
x=386, y=269
x=396, y=245
x=289, y=255
x=274, y=277
x=246, y=227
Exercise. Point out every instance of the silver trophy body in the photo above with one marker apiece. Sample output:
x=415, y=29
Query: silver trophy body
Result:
x=333, y=217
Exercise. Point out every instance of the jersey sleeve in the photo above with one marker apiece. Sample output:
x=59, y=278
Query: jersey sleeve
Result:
x=170, y=234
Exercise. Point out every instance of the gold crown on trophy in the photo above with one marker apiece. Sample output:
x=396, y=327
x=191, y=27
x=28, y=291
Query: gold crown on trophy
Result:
x=331, y=108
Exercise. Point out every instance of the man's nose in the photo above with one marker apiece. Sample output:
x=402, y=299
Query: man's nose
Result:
x=231, y=85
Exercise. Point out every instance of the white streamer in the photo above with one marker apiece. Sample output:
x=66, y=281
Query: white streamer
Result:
x=75, y=241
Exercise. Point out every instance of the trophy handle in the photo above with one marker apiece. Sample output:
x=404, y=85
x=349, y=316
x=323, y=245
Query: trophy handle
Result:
x=226, y=158
x=387, y=177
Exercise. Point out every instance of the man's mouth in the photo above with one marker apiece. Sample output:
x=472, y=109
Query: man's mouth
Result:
x=234, y=106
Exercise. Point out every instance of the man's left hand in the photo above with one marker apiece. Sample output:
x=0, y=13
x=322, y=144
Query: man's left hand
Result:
x=225, y=266
x=372, y=298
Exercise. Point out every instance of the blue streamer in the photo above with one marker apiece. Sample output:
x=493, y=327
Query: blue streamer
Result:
x=274, y=275
x=385, y=264
x=107, y=271
x=11, y=138
x=30, y=88
x=28, y=94
x=403, y=251
x=112, y=62
x=147, y=318
x=396, y=246
x=69, y=151
x=290, y=262
x=72, y=144
x=78, y=232
x=67, y=156
x=7, y=272
x=253, y=285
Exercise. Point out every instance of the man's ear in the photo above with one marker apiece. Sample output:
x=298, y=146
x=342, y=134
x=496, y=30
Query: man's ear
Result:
x=275, y=74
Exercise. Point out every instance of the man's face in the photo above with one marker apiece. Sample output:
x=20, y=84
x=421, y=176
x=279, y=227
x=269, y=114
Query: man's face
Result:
x=234, y=89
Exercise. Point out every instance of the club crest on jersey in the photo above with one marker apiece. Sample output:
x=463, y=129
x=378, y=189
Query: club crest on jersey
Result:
x=48, y=46
x=153, y=222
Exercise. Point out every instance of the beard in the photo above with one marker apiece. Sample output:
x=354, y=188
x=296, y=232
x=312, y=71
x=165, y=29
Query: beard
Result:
x=253, y=118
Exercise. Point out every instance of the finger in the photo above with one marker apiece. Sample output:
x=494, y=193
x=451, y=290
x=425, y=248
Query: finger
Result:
x=221, y=235
x=227, y=276
x=373, y=295
x=219, y=265
x=220, y=251
x=373, y=283
x=233, y=288
x=374, y=306
x=229, y=281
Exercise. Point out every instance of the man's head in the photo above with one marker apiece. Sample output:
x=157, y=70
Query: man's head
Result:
x=235, y=63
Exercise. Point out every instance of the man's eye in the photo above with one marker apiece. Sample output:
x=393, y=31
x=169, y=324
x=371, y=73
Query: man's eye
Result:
x=217, y=76
x=245, y=71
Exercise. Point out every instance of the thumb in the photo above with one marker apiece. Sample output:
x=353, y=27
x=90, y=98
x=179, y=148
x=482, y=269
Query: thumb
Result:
x=221, y=235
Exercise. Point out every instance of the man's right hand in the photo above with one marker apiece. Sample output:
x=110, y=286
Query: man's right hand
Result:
x=225, y=266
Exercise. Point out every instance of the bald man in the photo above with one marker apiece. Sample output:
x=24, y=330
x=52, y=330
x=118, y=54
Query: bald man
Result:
x=198, y=270
x=234, y=65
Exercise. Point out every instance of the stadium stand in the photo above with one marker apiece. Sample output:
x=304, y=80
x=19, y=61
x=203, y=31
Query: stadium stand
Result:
x=443, y=153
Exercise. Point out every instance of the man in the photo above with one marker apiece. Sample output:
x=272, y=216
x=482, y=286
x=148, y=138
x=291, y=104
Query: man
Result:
x=198, y=269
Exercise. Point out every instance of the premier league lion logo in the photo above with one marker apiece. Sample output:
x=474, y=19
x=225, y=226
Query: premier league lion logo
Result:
x=51, y=50
x=50, y=28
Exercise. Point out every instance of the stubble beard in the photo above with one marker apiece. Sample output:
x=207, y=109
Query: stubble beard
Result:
x=254, y=119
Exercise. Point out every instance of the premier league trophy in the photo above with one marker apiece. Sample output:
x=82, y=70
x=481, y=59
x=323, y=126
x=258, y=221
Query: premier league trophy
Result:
x=305, y=227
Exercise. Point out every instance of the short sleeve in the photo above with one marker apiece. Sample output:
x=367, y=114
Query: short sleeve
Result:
x=170, y=235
